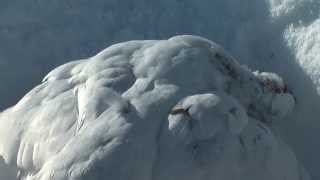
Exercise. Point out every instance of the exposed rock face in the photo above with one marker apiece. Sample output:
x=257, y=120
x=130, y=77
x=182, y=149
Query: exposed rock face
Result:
x=151, y=110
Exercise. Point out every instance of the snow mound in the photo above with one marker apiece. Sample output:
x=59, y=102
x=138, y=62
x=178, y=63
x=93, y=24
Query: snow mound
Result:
x=171, y=109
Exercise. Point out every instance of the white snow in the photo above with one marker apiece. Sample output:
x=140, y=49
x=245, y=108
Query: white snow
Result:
x=175, y=109
x=305, y=41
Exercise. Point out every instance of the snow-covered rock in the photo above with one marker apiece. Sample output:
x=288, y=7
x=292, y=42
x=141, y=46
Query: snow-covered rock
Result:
x=175, y=109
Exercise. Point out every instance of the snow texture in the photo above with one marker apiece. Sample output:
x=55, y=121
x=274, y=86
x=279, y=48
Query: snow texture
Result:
x=305, y=40
x=172, y=109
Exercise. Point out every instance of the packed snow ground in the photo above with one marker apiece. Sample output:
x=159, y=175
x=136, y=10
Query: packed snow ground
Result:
x=271, y=35
x=151, y=110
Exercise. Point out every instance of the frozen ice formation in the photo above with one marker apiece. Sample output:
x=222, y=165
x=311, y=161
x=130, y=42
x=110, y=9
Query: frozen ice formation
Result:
x=177, y=109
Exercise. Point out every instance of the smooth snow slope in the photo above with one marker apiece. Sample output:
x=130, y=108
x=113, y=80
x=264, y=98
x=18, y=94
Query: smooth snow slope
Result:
x=151, y=110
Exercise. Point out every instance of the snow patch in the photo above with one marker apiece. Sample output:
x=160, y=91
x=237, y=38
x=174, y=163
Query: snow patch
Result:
x=304, y=40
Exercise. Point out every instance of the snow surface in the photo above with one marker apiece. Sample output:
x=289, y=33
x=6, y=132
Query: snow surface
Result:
x=305, y=40
x=175, y=109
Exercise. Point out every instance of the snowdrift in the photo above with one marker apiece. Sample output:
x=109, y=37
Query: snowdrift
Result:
x=175, y=109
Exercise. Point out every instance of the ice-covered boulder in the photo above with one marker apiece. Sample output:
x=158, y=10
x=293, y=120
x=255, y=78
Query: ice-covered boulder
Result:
x=151, y=110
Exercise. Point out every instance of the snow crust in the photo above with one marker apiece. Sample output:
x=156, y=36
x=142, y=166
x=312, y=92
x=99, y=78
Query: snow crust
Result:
x=175, y=109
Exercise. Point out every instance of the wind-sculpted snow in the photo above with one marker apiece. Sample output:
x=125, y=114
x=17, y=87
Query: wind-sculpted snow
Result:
x=151, y=110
